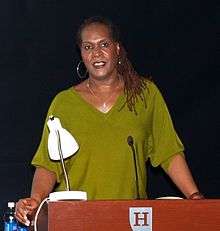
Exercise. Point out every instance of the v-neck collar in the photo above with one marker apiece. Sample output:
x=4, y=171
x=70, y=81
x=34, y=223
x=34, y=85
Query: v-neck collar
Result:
x=117, y=105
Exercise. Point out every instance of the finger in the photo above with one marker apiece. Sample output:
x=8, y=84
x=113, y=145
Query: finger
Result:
x=30, y=203
x=21, y=217
x=24, y=222
x=21, y=203
x=25, y=205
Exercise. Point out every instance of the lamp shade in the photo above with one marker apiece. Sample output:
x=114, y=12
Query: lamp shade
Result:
x=68, y=143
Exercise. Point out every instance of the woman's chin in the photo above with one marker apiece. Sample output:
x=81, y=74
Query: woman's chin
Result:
x=102, y=74
x=99, y=75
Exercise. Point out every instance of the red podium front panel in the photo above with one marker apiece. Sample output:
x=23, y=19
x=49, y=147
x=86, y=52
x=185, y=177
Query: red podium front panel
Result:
x=136, y=215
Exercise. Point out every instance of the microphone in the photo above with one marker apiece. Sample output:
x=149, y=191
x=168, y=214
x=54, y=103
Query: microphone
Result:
x=130, y=142
x=61, y=145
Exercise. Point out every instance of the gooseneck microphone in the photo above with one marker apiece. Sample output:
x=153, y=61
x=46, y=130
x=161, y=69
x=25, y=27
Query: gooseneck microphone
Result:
x=130, y=142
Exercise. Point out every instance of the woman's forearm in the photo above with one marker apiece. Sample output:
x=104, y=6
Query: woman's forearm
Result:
x=180, y=174
x=43, y=183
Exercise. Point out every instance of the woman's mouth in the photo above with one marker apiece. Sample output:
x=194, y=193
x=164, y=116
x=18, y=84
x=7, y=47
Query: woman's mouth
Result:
x=98, y=64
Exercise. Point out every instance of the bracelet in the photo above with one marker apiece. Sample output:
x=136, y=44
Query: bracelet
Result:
x=196, y=195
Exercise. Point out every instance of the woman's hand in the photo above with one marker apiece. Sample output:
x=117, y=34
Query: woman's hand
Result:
x=25, y=208
x=43, y=183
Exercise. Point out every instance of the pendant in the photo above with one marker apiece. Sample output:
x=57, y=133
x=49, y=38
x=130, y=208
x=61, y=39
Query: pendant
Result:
x=104, y=108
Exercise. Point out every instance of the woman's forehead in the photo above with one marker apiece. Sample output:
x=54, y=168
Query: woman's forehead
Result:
x=95, y=31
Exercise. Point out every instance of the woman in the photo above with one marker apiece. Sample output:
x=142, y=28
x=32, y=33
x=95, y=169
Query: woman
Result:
x=114, y=102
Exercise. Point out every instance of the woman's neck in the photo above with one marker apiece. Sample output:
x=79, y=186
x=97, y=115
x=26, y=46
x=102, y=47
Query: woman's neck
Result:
x=103, y=85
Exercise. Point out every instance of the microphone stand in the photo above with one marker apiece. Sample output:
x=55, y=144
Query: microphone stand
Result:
x=130, y=142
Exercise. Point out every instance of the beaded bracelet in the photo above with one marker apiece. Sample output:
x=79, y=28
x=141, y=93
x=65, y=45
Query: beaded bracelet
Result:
x=196, y=195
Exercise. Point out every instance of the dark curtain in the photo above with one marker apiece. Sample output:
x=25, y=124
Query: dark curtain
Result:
x=175, y=42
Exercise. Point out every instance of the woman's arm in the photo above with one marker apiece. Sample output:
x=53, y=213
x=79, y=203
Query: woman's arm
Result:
x=43, y=183
x=180, y=174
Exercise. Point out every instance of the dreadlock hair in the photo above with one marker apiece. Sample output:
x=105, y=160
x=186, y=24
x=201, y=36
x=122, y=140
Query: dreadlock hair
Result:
x=134, y=84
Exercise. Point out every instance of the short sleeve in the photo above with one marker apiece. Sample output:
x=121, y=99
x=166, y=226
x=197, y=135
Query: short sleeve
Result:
x=41, y=157
x=165, y=164
x=163, y=140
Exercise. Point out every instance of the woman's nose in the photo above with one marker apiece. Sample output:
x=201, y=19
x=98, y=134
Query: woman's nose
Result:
x=97, y=51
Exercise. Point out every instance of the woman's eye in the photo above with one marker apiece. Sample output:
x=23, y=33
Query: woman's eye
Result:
x=87, y=47
x=105, y=44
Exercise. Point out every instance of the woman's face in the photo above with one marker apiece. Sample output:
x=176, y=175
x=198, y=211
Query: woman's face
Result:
x=99, y=52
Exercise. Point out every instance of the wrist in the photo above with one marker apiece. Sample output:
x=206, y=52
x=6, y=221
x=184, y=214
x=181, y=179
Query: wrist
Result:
x=196, y=196
x=36, y=199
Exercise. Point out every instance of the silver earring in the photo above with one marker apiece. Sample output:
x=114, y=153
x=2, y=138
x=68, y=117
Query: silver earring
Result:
x=78, y=71
x=119, y=61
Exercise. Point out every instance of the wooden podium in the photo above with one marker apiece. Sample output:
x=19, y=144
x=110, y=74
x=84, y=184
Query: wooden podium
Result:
x=167, y=215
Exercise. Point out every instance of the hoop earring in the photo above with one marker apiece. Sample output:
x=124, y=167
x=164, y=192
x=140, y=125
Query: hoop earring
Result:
x=78, y=71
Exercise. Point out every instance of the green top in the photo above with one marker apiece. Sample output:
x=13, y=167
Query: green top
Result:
x=104, y=166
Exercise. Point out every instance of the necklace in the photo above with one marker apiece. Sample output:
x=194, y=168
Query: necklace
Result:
x=104, y=107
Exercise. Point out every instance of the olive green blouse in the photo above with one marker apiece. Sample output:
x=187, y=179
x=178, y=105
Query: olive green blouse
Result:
x=103, y=165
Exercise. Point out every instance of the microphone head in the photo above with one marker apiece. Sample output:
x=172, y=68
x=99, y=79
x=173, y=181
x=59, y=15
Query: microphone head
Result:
x=130, y=140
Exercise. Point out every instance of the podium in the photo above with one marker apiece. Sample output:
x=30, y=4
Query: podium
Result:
x=128, y=215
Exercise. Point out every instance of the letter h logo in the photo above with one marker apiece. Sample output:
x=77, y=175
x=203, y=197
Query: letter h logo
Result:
x=140, y=218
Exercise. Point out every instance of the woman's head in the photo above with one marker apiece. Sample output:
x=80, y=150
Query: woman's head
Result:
x=100, y=36
x=99, y=50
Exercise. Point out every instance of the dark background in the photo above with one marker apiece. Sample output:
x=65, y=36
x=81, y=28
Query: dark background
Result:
x=174, y=41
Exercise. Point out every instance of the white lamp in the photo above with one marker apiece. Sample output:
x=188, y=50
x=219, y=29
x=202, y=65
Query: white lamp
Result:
x=61, y=145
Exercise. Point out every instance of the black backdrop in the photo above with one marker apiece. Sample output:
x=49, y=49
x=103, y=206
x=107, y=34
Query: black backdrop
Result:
x=174, y=41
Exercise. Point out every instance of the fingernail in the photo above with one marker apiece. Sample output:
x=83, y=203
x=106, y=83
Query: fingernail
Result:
x=27, y=223
x=25, y=211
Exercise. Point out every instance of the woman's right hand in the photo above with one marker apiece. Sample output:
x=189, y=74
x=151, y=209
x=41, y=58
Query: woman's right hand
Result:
x=25, y=208
x=43, y=183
